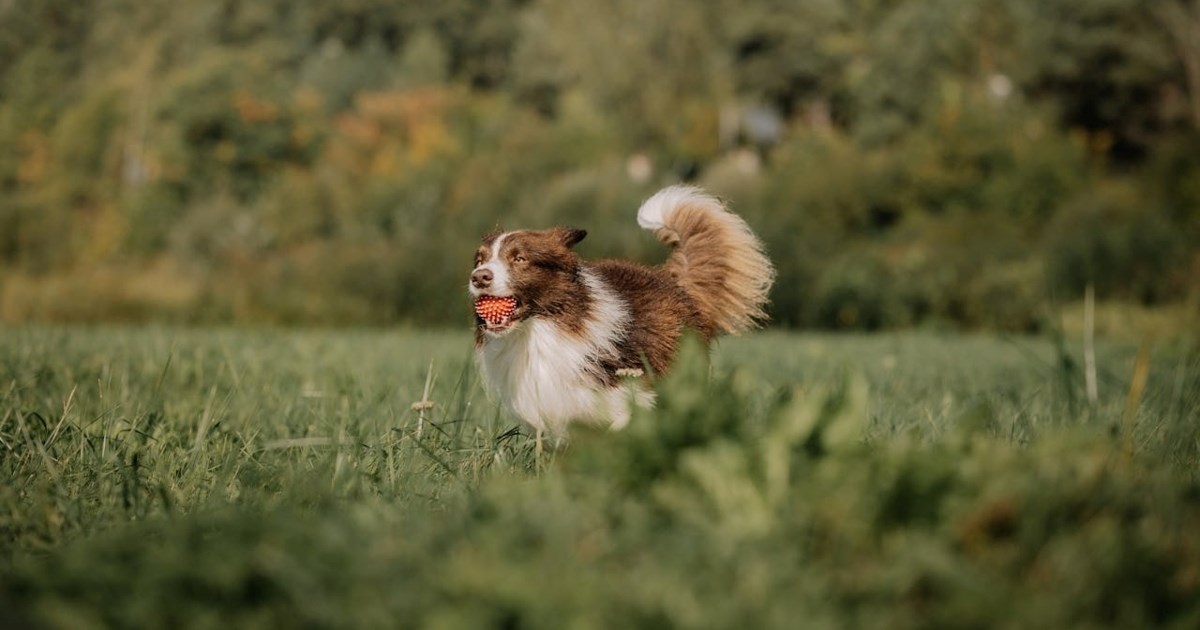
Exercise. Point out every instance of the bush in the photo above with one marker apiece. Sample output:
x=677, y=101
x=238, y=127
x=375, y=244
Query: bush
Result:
x=1173, y=175
x=974, y=155
x=854, y=292
x=1116, y=241
x=936, y=140
x=1008, y=297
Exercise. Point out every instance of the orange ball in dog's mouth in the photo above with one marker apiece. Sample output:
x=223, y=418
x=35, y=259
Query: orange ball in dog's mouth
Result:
x=495, y=310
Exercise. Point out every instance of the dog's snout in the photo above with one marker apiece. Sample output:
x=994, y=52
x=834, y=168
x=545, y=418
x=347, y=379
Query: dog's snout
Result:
x=481, y=278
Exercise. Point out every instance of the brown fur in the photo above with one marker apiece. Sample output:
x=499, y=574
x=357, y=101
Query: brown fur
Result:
x=719, y=263
x=660, y=311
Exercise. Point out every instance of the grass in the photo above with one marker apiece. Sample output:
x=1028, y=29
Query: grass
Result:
x=215, y=478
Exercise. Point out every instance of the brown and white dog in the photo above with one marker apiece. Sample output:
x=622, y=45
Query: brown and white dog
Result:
x=554, y=334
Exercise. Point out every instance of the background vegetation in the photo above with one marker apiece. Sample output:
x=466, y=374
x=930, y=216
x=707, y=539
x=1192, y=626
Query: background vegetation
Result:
x=215, y=479
x=950, y=161
x=910, y=163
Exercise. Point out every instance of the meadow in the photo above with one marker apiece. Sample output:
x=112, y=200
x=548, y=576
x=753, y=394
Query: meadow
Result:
x=203, y=478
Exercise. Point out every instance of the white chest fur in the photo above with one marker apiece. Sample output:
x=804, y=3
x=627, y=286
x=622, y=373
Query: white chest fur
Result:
x=542, y=373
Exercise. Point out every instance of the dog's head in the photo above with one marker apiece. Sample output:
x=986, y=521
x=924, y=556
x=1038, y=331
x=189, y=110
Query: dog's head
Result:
x=523, y=274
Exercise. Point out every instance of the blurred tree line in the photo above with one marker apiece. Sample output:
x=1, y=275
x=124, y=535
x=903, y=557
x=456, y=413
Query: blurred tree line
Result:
x=307, y=161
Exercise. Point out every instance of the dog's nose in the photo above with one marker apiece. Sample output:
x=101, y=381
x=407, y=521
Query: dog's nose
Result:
x=481, y=278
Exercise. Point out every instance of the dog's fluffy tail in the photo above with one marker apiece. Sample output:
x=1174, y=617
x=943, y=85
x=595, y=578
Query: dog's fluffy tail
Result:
x=715, y=257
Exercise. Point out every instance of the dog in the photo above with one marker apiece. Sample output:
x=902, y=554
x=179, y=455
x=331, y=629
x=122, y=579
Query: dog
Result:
x=555, y=336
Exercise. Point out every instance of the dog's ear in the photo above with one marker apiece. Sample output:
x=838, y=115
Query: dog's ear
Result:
x=569, y=236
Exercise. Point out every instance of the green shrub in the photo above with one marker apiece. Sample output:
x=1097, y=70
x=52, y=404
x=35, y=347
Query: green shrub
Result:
x=1007, y=296
x=974, y=155
x=951, y=142
x=1174, y=175
x=152, y=212
x=855, y=292
x=1116, y=240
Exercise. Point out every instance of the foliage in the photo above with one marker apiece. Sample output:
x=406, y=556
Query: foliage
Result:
x=308, y=162
x=202, y=478
x=1113, y=241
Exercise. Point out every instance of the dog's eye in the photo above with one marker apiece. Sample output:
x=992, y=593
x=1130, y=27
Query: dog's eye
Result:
x=519, y=259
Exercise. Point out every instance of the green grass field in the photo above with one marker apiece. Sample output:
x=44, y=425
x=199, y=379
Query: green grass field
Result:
x=231, y=478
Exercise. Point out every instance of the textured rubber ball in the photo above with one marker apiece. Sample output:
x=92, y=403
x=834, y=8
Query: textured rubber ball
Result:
x=495, y=309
